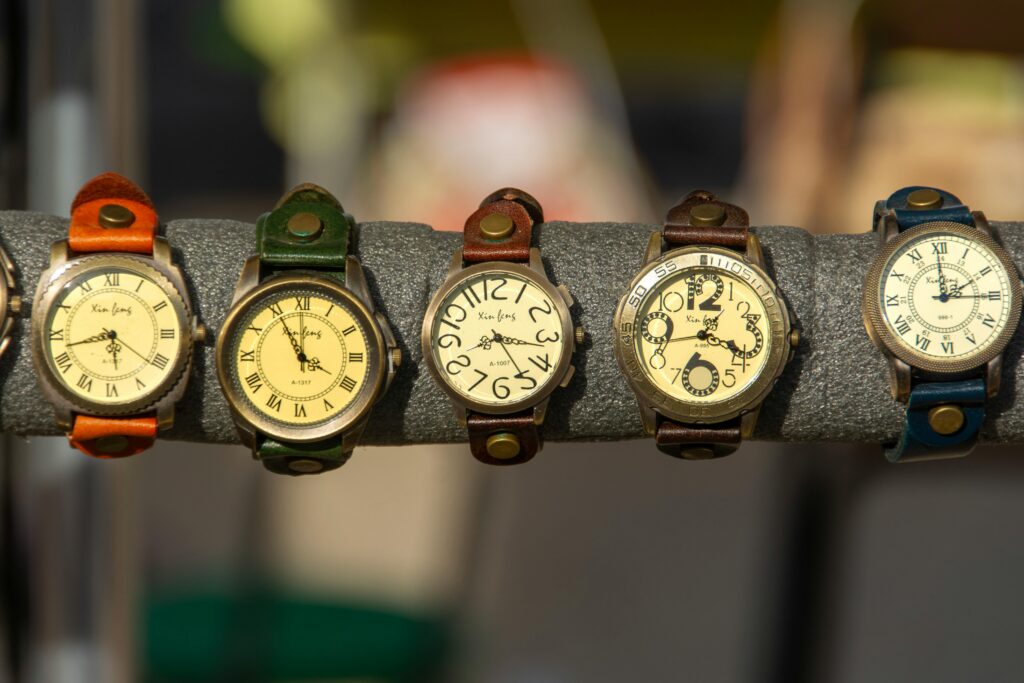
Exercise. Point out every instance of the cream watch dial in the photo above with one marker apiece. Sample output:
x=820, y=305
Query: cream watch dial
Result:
x=112, y=336
x=945, y=296
x=497, y=338
x=702, y=335
x=299, y=357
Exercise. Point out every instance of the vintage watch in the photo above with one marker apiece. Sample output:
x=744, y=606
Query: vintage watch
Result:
x=303, y=354
x=498, y=337
x=112, y=327
x=701, y=334
x=941, y=301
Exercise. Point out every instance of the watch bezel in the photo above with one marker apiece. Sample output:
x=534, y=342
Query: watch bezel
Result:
x=56, y=280
x=631, y=366
x=884, y=339
x=565, y=317
x=354, y=412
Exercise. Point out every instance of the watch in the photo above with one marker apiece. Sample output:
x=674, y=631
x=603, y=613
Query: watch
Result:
x=112, y=327
x=702, y=334
x=303, y=354
x=498, y=337
x=941, y=301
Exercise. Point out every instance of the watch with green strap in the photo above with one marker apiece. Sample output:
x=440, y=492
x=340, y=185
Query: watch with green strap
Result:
x=303, y=354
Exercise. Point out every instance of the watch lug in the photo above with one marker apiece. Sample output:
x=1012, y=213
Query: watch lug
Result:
x=754, y=252
x=888, y=227
x=248, y=278
x=165, y=416
x=9, y=268
x=355, y=280
x=540, y=411
x=535, y=261
x=569, y=372
x=63, y=418
x=566, y=296
x=653, y=251
x=748, y=421
x=350, y=439
x=981, y=223
x=460, y=414
x=58, y=253
x=162, y=251
x=993, y=376
x=456, y=263
x=649, y=419
x=899, y=379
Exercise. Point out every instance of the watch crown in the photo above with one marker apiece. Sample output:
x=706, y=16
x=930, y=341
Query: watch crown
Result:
x=199, y=333
x=580, y=335
x=14, y=305
x=794, y=338
x=396, y=357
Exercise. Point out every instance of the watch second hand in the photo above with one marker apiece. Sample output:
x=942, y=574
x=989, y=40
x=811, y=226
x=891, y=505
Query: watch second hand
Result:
x=497, y=338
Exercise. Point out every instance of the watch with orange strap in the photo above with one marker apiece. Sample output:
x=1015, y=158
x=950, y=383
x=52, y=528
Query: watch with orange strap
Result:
x=112, y=328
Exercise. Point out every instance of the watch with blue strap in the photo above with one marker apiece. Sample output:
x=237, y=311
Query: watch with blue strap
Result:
x=941, y=301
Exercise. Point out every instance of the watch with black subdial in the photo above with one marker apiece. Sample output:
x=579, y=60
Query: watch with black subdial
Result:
x=701, y=333
x=304, y=354
x=941, y=302
x=112, y=328
x=498, y=337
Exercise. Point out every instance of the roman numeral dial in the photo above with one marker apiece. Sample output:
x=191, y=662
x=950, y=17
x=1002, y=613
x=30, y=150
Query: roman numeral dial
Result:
x=299, y=356
x=113, y=335
x=945, y=296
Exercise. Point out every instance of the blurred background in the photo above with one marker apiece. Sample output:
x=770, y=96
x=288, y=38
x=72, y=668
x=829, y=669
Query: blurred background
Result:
x=596, y=563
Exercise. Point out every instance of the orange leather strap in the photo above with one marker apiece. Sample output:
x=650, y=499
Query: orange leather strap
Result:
x=93, y=224
x=112, y=437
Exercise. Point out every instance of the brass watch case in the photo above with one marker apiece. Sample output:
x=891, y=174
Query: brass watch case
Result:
x=648, y=394
x=63, y=272
x=380, y=364
x=534, y=272
x=886, y=341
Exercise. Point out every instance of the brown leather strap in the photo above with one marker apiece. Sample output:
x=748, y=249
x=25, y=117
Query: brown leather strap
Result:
x=519, y=425
x=521, y=208
x=683, y=224
x=697, y=442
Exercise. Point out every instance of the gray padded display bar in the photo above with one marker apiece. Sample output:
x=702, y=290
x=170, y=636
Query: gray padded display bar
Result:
x=836, y=389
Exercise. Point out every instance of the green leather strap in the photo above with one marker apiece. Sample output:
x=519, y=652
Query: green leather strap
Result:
x=307, y=229
x=301, y=458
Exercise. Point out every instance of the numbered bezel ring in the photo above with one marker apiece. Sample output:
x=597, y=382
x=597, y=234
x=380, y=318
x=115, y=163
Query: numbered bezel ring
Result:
x=625, y=324
x=527, y=273
x=356, y=410
x=65, y=276
x=883, y=337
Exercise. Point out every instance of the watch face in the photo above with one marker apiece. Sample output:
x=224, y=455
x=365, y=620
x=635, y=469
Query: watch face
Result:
x=115, y=334
x=701, y=335
x=498, y=337
x=945, y=297
x=298, y=357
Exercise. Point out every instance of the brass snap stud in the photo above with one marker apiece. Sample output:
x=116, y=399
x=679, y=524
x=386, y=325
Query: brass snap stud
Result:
x=707, y=215
x=925, y=198
x=497, y=226
x=116, y=216
x=305, y=226
x=946, y=419
x=305, y=466
x=503, y=446
x=111, y=445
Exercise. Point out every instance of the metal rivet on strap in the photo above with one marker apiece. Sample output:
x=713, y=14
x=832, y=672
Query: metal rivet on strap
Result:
x=925, y=198
x=111, y=445
x=305, y=226
x=115, y=216
x=946, y=419
x=503, y=446
x=497, y=226
x=707, y=215
x=305, y=466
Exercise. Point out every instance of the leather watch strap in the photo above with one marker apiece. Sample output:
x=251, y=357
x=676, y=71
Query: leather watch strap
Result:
x=301, y=458
x=307, y=229
x=918, y=204
x=503, y=439
x=702, y=219
x=111, y=213
x=108, y=437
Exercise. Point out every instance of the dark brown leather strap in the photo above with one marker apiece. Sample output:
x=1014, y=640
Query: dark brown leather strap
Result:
x=697, y=442
x=480, y=242
x=702, y=219
x=521, y=426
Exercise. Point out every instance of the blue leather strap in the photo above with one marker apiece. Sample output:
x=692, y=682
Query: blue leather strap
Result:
x=920, y=442
x=951, y=209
